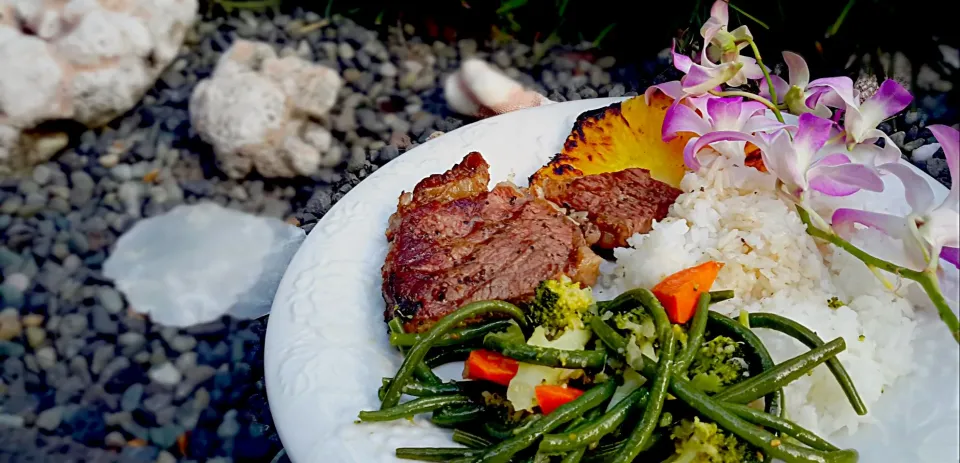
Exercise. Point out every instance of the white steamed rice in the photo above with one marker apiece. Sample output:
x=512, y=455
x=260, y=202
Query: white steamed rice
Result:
x=731, y=214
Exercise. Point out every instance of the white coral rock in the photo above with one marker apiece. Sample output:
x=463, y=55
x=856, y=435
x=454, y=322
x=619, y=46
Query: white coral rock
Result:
x=83, y=60
x=263, y=112
x=478, y=89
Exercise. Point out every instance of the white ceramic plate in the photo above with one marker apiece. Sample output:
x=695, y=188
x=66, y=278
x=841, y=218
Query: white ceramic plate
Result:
x=327, y=349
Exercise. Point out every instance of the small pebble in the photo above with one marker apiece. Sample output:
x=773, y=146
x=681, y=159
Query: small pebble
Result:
x=46, y=357
x=36, y=336
x=925, y=152
x=49, y=419
x=165, y=375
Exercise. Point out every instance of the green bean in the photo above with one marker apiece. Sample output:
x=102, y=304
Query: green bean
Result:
x=504, y=451
x=721, y=295
x=783, y=425
x=435, y=453
x=470, y=439
x=607, y=452
x=698, y=328
x=717, y=322
x=546, y=356
x=642, y=433
x=779, y=376
x=418, y=389
x=811, y=340
x=452, y=415
x=422, y=372
x=413, y=407
x=660, y=318
x=576, y=426
x=454, y=337
x=594, y=430
x=608, y=335
x=416, y=354
x=763, y=440
x=448, y=355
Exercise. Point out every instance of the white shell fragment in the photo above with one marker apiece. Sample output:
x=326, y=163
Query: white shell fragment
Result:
x=199, y=262
x=479, y=90
x=263, y=113
x=85, y=60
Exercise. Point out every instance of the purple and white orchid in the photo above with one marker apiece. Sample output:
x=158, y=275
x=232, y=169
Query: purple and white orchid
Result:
x=733, y=118
x=801, y=95
x=816, y=154
x=794, y=154
x=724, y=46
x=929, y=231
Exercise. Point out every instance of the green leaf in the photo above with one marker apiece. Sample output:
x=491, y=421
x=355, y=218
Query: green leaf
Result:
x=510, y=5
x=749, y=16
x=603, y=33
x=563, y=8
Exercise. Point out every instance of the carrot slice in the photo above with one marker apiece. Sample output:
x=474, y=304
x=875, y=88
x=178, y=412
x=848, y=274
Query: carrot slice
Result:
x=679, y=292
x=490, y=366
x=550, y=397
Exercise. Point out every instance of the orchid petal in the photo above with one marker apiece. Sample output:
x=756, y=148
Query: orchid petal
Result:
x=742, y=35
x=951, y=255
x=699, y=102
x=779, y=158
x=724, y=113
x=681, y=118
x=869, y=153
x=941, y=228
x=890, y=99
x=696, y=144
x=751, y=70
x=701, y=80
x=891, y=225
x=798, y=70
x=672, y=89
x=918, y=191
x=761, y=123
x=840, y=91
x=720, y=12
x=812, y=133
x=680, y=61
x=949, y=139
x=779, y=85
x=814, y=101
x=889, y=153
x=834, y=175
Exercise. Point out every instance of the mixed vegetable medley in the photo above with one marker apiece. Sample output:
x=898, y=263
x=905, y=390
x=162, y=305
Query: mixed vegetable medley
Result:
x=653, y=374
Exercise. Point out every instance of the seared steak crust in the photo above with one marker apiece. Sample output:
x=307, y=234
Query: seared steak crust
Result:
x=452, y=242
x=619, y=204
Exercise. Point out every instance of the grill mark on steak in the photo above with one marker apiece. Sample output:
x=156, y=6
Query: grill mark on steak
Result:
x=618, y=204
x=452, y=242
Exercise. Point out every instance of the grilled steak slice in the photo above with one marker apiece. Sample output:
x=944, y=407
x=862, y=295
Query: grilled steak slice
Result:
x=452, y=242
x=619, y=204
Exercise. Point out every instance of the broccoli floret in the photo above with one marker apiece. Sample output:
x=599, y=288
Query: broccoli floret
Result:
x=502, y=409
x=638, y=326
x=717, y=364
x=560, y=305
x=835, y=303
x=702, y=442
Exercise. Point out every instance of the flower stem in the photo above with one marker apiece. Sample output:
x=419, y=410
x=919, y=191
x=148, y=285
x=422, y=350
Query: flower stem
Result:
x=927, y=279
x=748, y=95
x=932, y=287
x=766, y=75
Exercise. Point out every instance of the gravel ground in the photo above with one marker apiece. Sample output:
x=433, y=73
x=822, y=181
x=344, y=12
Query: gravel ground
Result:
x=83, y=378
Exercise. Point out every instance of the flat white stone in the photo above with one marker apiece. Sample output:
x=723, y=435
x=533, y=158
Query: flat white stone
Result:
x=197, y=263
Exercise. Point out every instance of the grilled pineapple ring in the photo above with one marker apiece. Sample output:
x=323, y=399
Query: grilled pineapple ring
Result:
x=618, y=137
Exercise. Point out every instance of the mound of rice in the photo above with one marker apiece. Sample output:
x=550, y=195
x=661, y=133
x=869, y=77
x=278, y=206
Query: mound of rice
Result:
x=731, y=214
